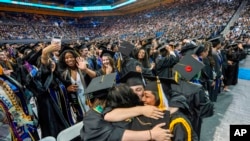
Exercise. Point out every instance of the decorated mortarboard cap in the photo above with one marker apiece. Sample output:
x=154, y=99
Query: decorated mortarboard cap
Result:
x=107, y=53
x=215, y=41
x=132, y=78
x=99, y=86
x=188, y=67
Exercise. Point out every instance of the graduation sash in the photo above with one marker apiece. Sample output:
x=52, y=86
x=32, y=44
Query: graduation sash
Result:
x=22, y=125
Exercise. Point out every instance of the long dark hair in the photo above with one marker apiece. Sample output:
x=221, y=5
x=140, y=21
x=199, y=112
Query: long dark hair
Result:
x=121, y=96
x=62, y=62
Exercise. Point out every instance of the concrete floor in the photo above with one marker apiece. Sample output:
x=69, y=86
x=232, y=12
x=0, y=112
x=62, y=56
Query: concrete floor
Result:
x=231, y=108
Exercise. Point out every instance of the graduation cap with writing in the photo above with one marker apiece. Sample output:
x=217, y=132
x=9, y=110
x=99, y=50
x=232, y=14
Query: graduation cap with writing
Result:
x=133, y=78
x=215, y=41
x=100, y=86
x=107, y=53
x=188, y=67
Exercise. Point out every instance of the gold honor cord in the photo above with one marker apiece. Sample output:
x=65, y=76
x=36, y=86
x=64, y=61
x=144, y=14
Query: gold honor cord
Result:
x=184, y=123
x=13, y=100
x=143, y=123
x=22, y=117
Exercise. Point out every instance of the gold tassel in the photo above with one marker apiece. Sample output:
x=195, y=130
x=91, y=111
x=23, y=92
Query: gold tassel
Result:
x=162, y=105
x=119, y=64
x=176, y=76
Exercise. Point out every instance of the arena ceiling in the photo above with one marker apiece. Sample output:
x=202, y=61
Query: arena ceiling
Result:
x=80, y=7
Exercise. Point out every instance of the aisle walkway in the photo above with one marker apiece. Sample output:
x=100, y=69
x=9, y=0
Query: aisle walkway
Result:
x=231, y=108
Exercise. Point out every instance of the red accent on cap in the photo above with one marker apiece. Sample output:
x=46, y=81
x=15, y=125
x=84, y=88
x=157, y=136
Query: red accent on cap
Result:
x=188, y=68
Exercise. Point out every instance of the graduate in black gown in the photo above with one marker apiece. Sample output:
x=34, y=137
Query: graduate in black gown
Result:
x=97, y=129
x=235, y=53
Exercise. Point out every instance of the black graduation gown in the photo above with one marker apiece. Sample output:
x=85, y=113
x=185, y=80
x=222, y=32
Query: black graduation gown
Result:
x=129, y=64
x=179, y=130
x=199, y=104
x=50, y=115
x=140, y=123
x=233, y=70
x=164, y=65
x=95, y=128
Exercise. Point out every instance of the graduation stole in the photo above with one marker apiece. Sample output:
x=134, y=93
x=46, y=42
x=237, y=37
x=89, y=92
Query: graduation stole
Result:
x=60, y=97
x=75, y=107
x=21, y=124
x=185, y=124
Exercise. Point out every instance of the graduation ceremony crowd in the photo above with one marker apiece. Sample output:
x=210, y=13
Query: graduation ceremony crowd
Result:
x=152, y=75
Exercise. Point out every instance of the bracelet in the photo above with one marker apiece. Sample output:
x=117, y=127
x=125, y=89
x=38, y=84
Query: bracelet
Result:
x=150, y=135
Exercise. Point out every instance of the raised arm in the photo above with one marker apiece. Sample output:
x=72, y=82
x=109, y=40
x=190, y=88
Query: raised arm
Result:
x=120, y=114
x=47, y=50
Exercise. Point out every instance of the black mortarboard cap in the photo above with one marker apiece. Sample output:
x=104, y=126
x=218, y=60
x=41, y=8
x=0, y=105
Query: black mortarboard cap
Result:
x=126, y=48
x=107, y=53
x=66, y=47
x=132, y=78
x=83, y=46
x=187, y=49
x=33, y=57
x=99, y=86
x=22, y=48
x=188, y=67
x=198, y=50
x=215, y=41
x=162, y=48
x=151, y=83
x=102, y=46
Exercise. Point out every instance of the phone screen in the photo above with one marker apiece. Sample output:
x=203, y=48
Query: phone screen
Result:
x=56, y=40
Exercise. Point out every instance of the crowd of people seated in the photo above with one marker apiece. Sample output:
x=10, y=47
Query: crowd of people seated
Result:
x=168, y=83
x=181, y=17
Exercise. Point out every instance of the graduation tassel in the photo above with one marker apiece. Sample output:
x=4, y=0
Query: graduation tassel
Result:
x=176, y=76
x=119, y=62
x=163, y=100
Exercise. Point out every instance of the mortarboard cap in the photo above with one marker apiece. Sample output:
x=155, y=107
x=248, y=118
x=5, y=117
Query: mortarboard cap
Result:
x=151, y=83
x=126, y=48
x=33, y=57
x=107, y=53
x=215, y=41
x=66, y=47
x=22, y=48
x=99, y=86
x=187, y=49
x=83, y=46
x=132, y=78
x=198, y=50
x=188, y=67
x=162, y=48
